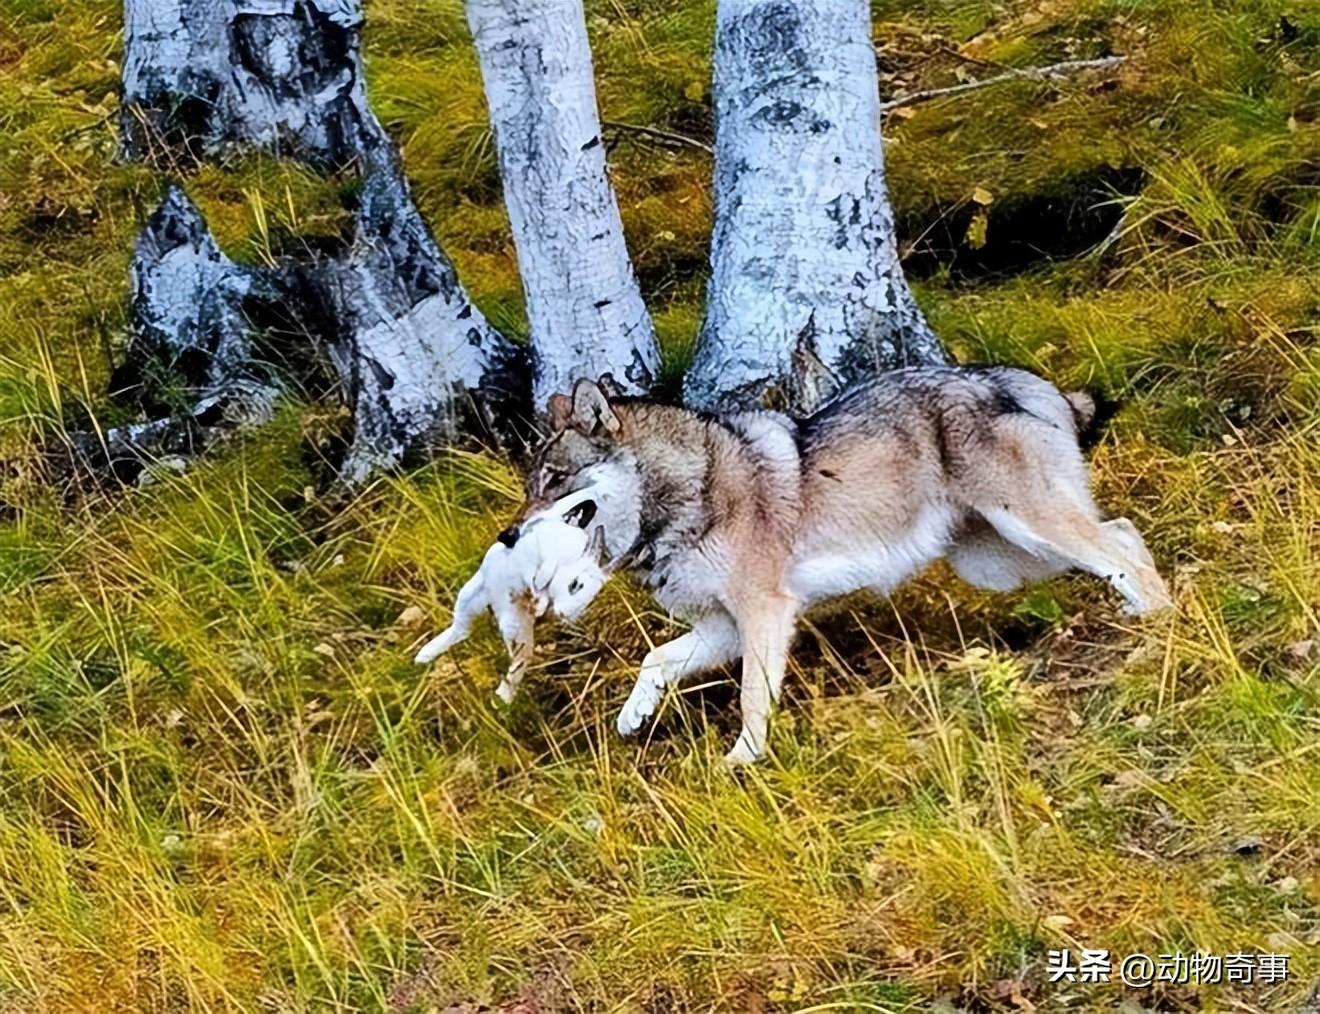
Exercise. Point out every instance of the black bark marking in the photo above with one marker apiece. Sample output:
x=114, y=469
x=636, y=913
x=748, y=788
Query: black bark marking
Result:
x=594, y=142
x=786, y=114
x=771, y=33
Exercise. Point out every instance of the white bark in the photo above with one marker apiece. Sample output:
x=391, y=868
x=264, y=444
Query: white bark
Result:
x=586, y=311
x=417, y=356
x=187, y=297
x=417, y=362
x=285, y=75
x=189, y=352
x=806, y=292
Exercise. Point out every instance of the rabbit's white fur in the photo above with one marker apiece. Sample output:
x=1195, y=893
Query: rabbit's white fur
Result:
x=552, y=566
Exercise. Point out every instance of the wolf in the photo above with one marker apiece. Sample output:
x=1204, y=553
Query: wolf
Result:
x=551, y=563
x=738, y=523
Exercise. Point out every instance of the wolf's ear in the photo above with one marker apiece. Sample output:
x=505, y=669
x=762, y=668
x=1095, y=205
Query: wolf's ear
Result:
x=561, y=412
x=611, y=387
x=592, y=415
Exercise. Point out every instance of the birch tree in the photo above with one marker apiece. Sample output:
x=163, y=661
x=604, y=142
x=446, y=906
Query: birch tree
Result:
x=417, y=363
x=806, y=291
x=585, y=307
x=284, y=75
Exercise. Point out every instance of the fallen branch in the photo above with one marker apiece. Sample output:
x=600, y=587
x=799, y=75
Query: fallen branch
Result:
x=656, y=134
x=1047, y=73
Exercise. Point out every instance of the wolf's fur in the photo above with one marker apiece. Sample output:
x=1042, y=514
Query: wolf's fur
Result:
x=748, y=519
x=551, y=563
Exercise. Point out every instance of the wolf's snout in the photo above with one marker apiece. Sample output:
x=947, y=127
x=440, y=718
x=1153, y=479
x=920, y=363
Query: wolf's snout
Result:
x=509, y=537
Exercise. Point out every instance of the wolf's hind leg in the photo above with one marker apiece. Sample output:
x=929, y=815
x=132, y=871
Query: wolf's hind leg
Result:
x=766, y=630
x=1110, y=550
x=983, y=557
x=712, y=641
x=468, y=606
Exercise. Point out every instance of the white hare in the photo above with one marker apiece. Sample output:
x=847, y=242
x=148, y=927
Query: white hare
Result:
x=549, y=563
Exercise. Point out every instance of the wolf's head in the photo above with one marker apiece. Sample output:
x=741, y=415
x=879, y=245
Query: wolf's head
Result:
x=586, y=433
x=589, y=446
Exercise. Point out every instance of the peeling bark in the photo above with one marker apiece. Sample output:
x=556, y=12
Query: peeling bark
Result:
x=283, y=75
x=806, y=292
x=586, y=311
x=415, y=361
x=186, y=313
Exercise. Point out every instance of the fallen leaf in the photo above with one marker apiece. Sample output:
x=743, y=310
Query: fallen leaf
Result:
x=410, y=617
x=977, y=229
x=1301, y=649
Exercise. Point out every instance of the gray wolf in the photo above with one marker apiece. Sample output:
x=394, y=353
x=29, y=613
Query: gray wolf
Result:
x=551, y=564
x=738, y=523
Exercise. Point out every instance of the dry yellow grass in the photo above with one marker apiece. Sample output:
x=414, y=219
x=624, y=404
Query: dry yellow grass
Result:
x=224, y=786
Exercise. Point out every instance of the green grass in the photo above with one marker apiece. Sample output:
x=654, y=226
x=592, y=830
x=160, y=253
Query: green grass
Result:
x=224, y=786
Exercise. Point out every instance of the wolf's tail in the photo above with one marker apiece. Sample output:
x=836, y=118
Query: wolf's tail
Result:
x=1091, y=412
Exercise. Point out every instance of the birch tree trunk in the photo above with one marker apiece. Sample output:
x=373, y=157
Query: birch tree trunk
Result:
x=283, y=75
x=586, y=311
x=421, y=362
x=417, y=363
x=806, y=292
x=189, y=366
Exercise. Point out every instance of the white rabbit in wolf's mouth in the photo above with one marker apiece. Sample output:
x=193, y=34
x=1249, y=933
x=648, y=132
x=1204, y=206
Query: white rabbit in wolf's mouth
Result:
x=549, y=563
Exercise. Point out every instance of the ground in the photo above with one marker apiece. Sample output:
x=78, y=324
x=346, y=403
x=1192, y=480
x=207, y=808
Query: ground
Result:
x=225, y=786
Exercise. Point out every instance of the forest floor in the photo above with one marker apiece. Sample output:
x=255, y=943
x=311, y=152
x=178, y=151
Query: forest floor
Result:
x=223, y=785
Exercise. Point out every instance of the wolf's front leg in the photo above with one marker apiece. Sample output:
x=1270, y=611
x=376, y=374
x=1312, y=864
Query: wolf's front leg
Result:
x=518, y=628
x=470, y=604
x=712, y=641
x=766, y=628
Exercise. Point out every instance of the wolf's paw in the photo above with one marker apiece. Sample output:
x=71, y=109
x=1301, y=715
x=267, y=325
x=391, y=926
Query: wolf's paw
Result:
x=640, y=706
x=742, y=754
x=1146, y=609
x=1155, y=601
